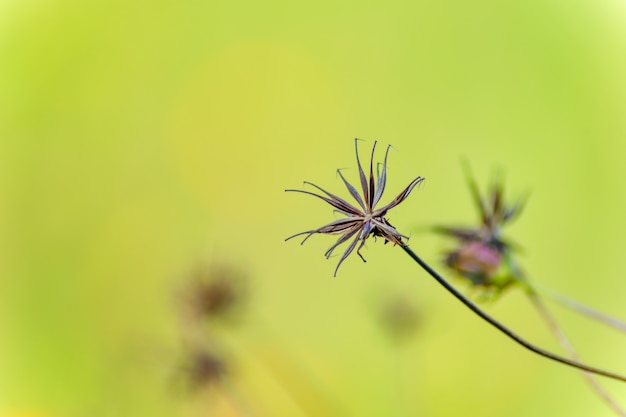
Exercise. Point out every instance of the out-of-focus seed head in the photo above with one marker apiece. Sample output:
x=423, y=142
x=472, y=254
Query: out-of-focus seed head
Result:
x=481, y=254
x=363, y=219
x=215, y=292
x=201, y=369
x=475, y=260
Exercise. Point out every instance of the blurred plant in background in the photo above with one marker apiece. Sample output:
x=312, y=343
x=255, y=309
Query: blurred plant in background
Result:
x=213, y=296
x=488, y=261
x=217, y=292
x=482, y=254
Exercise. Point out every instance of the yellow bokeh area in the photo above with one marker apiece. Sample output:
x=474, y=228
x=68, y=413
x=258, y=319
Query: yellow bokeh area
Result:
x=146, y=146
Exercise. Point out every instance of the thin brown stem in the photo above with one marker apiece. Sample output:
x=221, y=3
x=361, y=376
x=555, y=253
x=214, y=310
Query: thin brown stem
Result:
x=565, y=343
x=502, y=328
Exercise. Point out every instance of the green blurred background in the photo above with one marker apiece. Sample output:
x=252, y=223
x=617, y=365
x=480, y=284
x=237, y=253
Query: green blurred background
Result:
x=139, y=140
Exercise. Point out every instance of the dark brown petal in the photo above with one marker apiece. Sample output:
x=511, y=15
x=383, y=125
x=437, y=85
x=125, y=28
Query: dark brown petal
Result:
x=339, y=225
x=458, y=232
x=399, y=199
x=346, y=253
x=372, y=185
x=382, y=180
x=348, y=207
x=366, y=229
x=516, y=209
x=358, y=251
x=480, y=204
x=497, y=195
x=331, y=228
x=341, y=205
x=352, y=190
x=388, y=231
x=362, y=176
x=343, y=238
x=308, y=232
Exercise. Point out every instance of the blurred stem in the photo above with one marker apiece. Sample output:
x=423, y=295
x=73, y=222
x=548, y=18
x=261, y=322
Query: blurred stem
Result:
x=585, y=310
x=478, y=311
x=565, y=343
x=238, y=405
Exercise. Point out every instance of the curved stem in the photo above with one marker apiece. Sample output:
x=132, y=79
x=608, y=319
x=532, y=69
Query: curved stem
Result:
x=478, y=311
x=565, y=343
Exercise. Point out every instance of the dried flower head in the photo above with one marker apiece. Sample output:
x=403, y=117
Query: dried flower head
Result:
x=365, y=220
x=483, y=256
x=201, y=368
x=216, y=291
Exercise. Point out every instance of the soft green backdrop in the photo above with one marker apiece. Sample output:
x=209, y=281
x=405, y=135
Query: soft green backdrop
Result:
x=140, y=139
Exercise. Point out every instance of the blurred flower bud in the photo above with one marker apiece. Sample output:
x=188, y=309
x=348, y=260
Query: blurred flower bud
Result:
x=481, y=255
x=216, y=293
x=201, y=369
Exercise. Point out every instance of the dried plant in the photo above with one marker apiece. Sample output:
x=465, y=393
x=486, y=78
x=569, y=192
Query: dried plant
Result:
x=215, y=292
x=211, y=293
x=370, y=221
x=487, y=261
x=202, y=368
x=480, y=252
x=365, y=221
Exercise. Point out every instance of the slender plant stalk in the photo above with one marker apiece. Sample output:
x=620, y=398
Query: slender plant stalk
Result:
x=237, y=404
x=478, y=311
x=565, y=343
x=585, y=310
